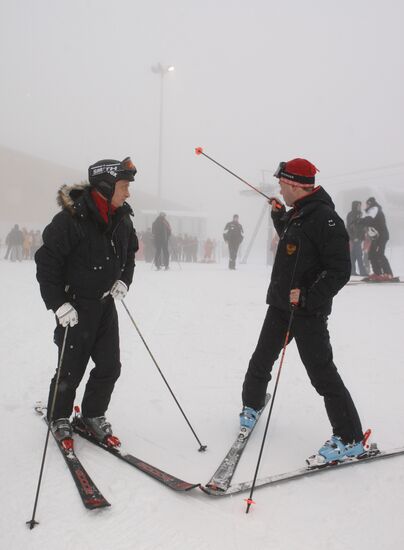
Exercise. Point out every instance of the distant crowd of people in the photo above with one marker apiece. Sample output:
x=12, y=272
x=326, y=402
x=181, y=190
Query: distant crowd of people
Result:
x=159, y=245
x=368, y=236
x=21, y=244
x=367, y=232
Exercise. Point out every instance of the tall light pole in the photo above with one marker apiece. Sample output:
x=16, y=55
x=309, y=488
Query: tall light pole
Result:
x=162, y=71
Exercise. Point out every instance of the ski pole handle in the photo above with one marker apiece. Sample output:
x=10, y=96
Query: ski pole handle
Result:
x=294, y=297
x=275, y=203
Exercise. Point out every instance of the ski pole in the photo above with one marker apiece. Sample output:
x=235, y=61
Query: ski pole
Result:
x=201, y=447
x=249, y=500
x=294, y=305
x=32, y=521
x=199, y=151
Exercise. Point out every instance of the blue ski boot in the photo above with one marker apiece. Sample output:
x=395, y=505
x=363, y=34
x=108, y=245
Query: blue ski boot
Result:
x=335, y=450
x=248, y=418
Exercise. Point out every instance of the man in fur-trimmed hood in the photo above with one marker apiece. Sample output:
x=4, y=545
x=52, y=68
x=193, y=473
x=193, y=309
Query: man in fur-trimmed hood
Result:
x=86, y=261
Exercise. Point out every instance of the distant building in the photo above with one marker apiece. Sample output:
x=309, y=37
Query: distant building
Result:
x=31, y=199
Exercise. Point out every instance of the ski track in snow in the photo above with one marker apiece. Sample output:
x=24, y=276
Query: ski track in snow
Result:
x=202, y=323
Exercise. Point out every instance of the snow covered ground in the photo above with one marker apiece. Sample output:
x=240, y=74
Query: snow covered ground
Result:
x=202, y=323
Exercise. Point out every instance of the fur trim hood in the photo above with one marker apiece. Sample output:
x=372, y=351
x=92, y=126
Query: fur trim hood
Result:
x=68, y=195
x=76, y=200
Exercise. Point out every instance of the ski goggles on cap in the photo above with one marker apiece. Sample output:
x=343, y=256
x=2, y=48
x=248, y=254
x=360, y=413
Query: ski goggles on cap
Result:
x=127, y=166
x=278, y=171
x=295, y=179
x=113, y=168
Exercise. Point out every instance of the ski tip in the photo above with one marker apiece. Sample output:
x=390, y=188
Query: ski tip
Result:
x=213, y=489
x=39, y=407
x=95, y=503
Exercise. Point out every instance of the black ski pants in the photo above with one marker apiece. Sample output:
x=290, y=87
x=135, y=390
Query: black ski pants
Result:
x=96, y=336
x=162, y=256
x=377, y=258
x=357, y=257
x=233, y=250
x=313, y=343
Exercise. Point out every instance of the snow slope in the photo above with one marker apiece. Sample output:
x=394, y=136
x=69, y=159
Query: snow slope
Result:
x=202, y=323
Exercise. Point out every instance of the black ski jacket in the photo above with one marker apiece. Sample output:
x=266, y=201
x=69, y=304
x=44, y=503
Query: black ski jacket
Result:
x=15, y=237
x=355, y=229
x=378, y=222
x=313, y=255
x=161, y=230
x=233, y=232
x=81, y=254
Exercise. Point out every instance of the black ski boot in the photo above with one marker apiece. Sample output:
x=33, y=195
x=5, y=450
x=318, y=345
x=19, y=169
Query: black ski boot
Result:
x=100, y=429
x=62, y=431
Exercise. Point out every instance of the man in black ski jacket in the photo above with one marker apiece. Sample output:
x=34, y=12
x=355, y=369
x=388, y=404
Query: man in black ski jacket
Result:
x=161, y=230
x=312, y=264
x=375, y=221
x=233, y=235
x=86, y=261
x=14, y=241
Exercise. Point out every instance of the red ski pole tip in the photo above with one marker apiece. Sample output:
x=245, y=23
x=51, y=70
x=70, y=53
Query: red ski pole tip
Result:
x=198, y=150
x=249, y=501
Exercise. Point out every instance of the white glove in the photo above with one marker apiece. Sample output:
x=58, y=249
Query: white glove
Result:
x=67, y=315
x=119, y=290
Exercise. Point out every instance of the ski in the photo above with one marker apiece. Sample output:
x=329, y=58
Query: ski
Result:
x=302, y=472
x=395, y=280
x=88, y=491
x=168, y=480
x=221, y=479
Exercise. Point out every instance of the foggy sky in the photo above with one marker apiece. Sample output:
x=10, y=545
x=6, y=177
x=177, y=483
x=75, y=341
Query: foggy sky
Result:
x=254, y=83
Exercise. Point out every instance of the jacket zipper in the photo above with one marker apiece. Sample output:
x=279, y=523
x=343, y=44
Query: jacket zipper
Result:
x=112, y=235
